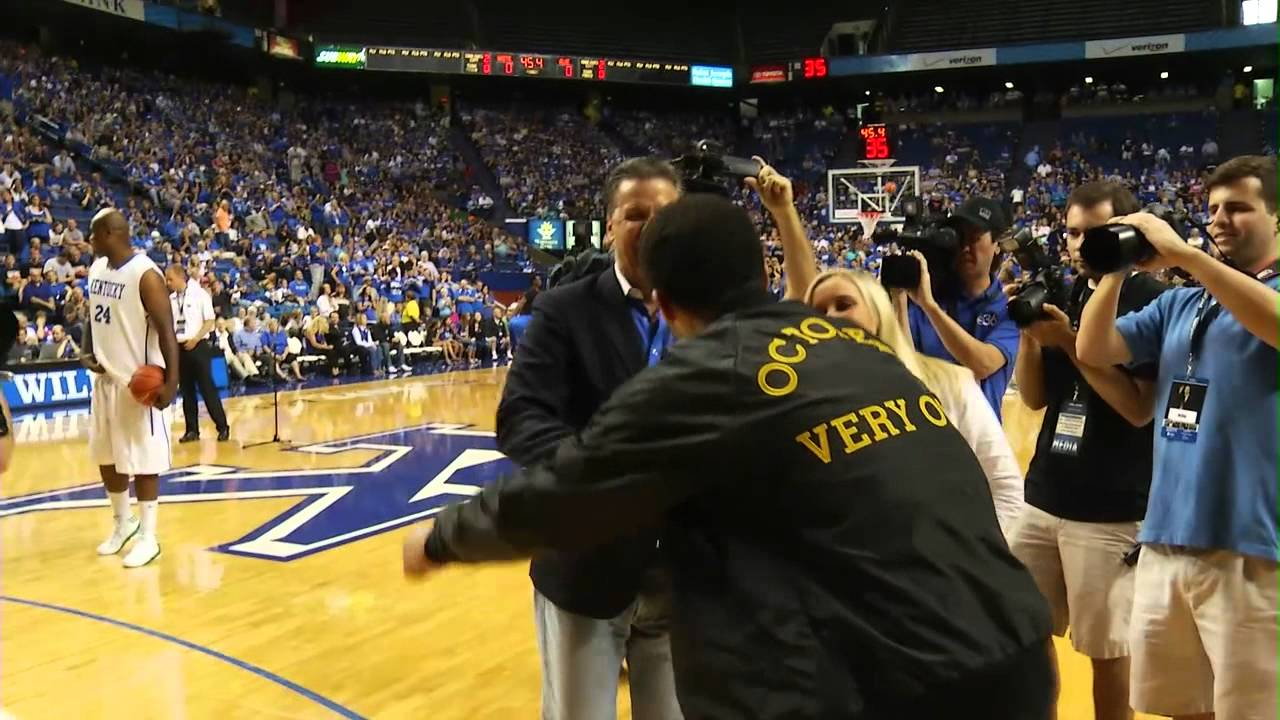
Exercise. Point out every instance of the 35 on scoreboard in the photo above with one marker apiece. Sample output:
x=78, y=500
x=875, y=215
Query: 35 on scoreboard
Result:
x=875, y=141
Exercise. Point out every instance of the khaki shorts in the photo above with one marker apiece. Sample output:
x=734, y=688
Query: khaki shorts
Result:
x=1080, y=569
x=1204, y=634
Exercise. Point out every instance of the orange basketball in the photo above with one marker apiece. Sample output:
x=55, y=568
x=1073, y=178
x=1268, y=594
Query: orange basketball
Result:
x=891, y=187
x=146, y=382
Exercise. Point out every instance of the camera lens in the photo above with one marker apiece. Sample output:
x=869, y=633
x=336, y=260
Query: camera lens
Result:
x=1108, y=248
x=1028, y=305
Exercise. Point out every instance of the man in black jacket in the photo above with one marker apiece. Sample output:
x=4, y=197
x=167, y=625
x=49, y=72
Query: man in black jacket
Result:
x=832, y=544
x=594, y=607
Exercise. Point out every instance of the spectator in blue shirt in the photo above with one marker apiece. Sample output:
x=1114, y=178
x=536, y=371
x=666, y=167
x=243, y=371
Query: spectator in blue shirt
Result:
x=973, y=328
x=299, y=287
x=1204, y=614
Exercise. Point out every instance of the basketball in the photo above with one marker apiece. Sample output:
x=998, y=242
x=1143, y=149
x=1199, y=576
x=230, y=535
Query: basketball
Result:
x=891, y=187
x=146, y=382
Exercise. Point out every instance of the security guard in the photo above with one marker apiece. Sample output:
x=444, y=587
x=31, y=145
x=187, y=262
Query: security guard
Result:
x=193, y=318
x=833, y=546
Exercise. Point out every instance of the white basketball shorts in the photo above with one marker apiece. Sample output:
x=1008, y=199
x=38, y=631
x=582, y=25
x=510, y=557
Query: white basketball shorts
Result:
x=135, y=438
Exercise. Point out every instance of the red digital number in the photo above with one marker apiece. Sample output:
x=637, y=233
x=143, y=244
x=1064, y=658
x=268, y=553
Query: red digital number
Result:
x=566, y=66
x=600, y=69
x=508, y=64
x=486, y=64
x=815, y=68
x=877, y=148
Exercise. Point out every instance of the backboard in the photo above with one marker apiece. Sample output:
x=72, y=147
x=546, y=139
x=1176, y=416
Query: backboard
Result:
x=877, y=188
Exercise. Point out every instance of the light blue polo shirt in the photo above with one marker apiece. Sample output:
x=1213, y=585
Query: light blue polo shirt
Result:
x=985, y=317
x=1218, y=493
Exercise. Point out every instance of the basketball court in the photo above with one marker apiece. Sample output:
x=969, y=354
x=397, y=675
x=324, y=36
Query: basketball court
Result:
x=279, y=592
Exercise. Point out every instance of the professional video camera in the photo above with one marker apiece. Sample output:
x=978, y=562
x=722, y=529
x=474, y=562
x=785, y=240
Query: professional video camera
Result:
x=1047, y=285
x=934, y=238
x=705, y=167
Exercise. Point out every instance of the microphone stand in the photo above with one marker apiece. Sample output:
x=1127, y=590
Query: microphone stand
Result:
x=275, y=406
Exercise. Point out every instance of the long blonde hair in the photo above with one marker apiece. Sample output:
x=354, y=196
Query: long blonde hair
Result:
x=944, y=379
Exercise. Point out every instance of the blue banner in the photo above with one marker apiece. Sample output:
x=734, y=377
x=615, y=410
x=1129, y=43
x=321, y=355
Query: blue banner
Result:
x=41, y=385
x=546, y=234
x=711, y=76
x=1249, y=36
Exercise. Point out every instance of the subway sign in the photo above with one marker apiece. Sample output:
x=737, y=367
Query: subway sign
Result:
x=335, y=56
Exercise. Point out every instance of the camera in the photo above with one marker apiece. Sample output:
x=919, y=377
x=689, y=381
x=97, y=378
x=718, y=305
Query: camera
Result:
x=1047, y=285
x=1113, y=247
x=935, y=238
x=705, y=167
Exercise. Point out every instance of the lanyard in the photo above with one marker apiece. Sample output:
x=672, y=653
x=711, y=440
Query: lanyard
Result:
x=1207, y=310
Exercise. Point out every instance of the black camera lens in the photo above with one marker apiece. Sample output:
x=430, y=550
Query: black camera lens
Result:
x=1028, y=305
x=1108, y=248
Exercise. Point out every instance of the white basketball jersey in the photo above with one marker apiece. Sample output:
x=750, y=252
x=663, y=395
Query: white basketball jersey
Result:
x=123, y=339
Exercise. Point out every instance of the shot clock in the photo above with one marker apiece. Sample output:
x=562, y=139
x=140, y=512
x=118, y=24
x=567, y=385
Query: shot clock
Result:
x=875, y=142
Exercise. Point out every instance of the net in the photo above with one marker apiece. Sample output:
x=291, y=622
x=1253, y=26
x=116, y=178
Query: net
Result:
x=868, y=220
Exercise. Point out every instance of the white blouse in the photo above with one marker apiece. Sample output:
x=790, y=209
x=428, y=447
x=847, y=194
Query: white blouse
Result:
x=970, y=413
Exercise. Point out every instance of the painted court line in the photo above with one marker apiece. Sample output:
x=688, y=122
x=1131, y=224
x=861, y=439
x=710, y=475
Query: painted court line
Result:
x=260, y=672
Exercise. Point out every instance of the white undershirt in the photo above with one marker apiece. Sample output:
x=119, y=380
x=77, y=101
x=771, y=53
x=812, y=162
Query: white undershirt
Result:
x=972, y=415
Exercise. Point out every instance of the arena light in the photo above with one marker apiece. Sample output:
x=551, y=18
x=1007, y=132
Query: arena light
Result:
x=1088, y=79
x=1008, y=85
x=1247, y=69
x=937, y=88
x=867, y=93
x=1164, y=74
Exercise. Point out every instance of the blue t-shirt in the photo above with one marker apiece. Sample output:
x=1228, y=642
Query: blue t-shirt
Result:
x=300, y=288
x=1219, y=492
x=986, y=318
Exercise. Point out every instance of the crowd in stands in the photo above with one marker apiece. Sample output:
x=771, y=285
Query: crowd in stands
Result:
x=289, y=216
x=548, y=161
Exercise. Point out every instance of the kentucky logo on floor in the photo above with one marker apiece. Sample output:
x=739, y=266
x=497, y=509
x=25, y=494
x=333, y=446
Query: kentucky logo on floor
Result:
x=413, y=473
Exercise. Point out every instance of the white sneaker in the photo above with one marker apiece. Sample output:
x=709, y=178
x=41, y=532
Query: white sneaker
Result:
x=143, y=551
x=405, y=368
x=122, y=534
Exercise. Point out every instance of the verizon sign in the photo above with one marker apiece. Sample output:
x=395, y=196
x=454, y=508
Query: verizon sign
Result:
x=952, y=59
x=1129, y=47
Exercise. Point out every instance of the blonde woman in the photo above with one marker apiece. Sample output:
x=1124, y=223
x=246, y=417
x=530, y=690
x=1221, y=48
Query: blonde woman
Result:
x=858, y=297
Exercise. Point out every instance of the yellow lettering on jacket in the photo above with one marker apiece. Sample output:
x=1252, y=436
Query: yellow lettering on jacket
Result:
x=821, y=448
x=899, y=408
x=878, y=420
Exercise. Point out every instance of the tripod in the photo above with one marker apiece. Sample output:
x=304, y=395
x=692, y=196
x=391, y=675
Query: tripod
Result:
x=275, y=407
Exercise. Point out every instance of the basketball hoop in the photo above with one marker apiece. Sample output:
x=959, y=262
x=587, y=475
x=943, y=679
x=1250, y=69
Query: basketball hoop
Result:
x=868, y=220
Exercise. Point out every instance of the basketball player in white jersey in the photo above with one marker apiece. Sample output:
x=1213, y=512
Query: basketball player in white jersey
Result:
x=130, y=325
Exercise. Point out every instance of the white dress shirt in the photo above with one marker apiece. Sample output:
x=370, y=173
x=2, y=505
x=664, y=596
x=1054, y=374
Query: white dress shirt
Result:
x=191, y=309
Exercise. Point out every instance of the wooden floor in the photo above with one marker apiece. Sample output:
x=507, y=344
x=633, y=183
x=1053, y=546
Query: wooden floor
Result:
x=279, y=592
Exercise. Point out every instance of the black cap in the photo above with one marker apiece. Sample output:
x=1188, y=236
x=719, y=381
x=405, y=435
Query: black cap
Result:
x=984, y=213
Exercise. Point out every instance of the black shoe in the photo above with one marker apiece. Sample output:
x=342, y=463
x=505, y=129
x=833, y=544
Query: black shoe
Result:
x=189, y=437
x=224, y=434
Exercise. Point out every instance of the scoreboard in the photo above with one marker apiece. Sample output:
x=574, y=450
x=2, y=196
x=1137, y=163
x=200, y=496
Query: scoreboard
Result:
x=875, y=141
x=813, y=68
x=512, y=64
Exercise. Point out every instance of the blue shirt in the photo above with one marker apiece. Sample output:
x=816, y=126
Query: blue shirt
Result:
x=986, y=318
x=300, y=288
x=1220, y=491
x=277, y=341
x=246, y=341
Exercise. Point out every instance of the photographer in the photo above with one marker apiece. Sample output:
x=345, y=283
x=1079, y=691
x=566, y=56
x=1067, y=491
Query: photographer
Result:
x=1203, y=634
x=595, y=607
x=1086, y=488
x=971, y=325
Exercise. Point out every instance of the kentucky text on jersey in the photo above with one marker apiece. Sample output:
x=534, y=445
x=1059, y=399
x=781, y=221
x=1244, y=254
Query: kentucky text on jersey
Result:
x=106, y=288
